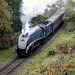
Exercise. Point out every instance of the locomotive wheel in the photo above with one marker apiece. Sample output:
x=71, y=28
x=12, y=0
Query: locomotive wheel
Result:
x=42, y=41
x=29, y=52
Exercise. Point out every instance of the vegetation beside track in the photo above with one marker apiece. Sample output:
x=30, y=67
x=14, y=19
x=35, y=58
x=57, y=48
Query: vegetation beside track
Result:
x=6, y=55
x=56, y=58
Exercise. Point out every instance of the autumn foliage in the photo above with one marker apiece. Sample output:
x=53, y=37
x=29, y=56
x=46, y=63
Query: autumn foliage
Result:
x=66, y=47
x=64, y=65
x=5, y=17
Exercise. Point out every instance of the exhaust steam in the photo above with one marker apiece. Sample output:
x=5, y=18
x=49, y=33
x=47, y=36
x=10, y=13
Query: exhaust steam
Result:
x=30, y=9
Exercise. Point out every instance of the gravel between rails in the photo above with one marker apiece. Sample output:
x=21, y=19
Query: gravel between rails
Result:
x=12, y=66
x=8, y=63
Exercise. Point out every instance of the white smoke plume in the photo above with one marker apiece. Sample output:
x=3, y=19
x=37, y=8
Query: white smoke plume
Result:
x=30, y=9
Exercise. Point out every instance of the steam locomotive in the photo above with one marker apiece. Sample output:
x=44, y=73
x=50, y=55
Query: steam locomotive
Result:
x=27, y=43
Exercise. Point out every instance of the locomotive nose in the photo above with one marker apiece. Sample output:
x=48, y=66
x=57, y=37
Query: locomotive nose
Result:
x=22, y=44
x=22, y=41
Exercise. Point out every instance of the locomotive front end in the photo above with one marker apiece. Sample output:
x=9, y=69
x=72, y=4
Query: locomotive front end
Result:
x=22, y=44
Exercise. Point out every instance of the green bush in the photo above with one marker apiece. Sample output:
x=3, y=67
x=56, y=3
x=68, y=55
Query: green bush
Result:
x=4, y=45
x=70, y=27
x=8, y=41
x=51, y=53
x=1, y=46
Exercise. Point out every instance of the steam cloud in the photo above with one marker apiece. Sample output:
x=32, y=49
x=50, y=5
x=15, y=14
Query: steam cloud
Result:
x=30, y=9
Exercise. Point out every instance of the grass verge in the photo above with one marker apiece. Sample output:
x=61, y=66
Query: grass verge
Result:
x=6, y=55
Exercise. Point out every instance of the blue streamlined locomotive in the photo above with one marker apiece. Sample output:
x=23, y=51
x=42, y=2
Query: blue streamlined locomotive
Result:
x=26, y=43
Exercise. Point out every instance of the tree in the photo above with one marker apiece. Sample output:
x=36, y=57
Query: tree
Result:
x=15, y=6
x=5, y=17
x=41, y=18
x=70, y=15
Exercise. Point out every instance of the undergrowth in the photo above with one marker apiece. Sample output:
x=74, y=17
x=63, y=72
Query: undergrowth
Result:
x=56, y=59
x=6, y=55
x=65, y=65
x=8, y=41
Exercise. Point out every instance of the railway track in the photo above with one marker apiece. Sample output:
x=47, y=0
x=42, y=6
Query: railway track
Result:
x=8, y=69
x=16, y=62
